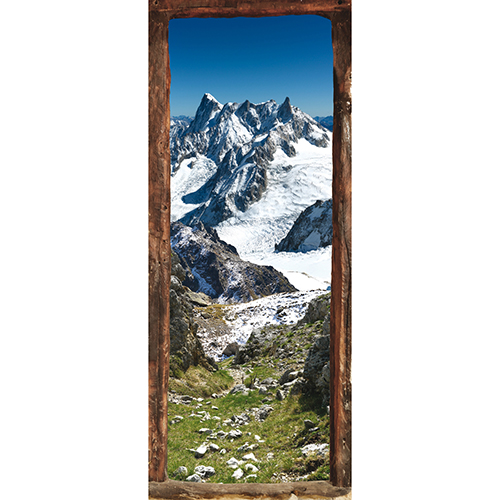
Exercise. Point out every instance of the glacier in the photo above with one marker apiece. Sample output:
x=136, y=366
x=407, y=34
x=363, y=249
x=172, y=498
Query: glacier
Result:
x=249, y=170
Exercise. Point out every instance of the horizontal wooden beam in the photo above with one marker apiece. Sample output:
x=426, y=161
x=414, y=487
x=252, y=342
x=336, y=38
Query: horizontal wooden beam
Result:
x=246, y=8
x=181, y=490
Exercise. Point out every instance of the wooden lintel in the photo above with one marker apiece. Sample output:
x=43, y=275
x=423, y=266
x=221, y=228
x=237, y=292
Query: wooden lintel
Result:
x=247, y=8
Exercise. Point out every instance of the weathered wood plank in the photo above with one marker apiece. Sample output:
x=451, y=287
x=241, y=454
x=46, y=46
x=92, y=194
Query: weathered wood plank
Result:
x=247, y=8
x=340, y=319
x=181, y=490
x=159, y=243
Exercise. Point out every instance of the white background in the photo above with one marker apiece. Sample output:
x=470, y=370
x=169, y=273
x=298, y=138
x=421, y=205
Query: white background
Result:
x=73, y=367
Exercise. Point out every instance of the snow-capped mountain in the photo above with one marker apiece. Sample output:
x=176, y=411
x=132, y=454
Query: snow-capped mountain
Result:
x=326, y=121
x=312, y=230
x=222, y=161
x=179, y=123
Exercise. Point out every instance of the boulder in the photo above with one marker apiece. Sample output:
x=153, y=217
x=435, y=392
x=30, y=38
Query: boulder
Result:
x=231, y=349
x=181, y=471
x=238, y=474
x=251, y=468
x=238, y=388
x=263, y=413
x=234, y=463
x=250, y=456
x=200, y=451
x=204, y=471
x=309, y=424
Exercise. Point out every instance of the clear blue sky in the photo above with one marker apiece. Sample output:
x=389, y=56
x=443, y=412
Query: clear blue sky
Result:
x=252, y=58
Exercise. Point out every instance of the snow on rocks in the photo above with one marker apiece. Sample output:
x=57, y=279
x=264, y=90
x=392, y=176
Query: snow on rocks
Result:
x=241, y=319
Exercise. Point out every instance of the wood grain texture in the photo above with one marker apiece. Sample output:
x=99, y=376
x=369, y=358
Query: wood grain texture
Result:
x=247, y=8
x=159, y=243
x=181, y=490
x=340, y=319
x=159, y=238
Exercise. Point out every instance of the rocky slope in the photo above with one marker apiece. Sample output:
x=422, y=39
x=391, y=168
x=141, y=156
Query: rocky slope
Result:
x=214, y=267
x=185, y=346
x=313, y=229
x=272, y=425
x=220, y=326
x=302, y=350
x=225, y=153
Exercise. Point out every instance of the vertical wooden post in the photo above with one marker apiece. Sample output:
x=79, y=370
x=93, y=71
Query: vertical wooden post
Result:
x=340, y=319
x=159, y=242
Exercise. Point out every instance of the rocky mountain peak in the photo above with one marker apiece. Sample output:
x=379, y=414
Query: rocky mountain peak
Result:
x=206, y=111
x=285, y=111
x=222, y=157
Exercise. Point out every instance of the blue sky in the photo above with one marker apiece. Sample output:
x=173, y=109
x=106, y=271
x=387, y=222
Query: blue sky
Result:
x=252, y=58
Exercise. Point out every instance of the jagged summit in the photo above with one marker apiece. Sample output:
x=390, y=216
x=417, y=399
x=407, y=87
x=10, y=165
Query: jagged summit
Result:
x=207, y=110
x=220, y=161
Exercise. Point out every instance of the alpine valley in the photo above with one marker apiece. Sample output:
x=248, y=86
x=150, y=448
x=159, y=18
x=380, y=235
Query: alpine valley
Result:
x=251, y=225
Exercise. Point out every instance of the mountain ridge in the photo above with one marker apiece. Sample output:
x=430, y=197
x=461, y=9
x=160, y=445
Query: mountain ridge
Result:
x=226, y=150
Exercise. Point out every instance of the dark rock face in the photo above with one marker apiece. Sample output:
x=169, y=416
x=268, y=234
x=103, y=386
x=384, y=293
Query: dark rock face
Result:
x=214, y=267
x=317, y=367
x=312, y=230
x=185, y=347
x=317, y=363
x=241, y=139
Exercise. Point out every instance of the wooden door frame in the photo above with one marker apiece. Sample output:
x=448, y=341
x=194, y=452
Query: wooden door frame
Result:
x=160, y=12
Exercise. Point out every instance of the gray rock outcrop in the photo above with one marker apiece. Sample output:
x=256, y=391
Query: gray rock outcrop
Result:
x=185, y=347
x=313, y=229
x=214, y=267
